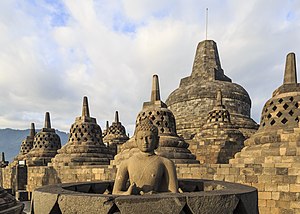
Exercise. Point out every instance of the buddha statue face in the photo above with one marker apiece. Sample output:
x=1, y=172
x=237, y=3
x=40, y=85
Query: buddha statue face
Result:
x=147, y=141
x=146, y=136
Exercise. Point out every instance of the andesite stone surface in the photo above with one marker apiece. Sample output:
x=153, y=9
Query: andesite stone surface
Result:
x=199, y=196
x=45, y=145
x=8, y=204
x=85, y=145
x=272, y=154
x=191, y=102
x=170, y=144
x=115, y=135
x=218, y=140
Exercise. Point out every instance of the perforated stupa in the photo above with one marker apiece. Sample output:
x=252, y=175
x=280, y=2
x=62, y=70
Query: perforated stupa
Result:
x=85, y=145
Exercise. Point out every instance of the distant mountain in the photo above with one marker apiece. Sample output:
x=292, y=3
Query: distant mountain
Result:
x=11, y=139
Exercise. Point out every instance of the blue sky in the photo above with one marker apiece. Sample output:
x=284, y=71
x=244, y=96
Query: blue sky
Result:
x=55, y=52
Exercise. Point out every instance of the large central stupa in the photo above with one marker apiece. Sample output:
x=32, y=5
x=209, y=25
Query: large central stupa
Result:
x=196, y=94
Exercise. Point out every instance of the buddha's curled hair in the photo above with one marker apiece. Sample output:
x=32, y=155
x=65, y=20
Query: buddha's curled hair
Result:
x=146, y=125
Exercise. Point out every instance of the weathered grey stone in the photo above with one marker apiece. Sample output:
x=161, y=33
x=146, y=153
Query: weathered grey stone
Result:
x=85, y=145
x=170, y=144
x=195, y=96
x=8, y=204
x=171, y=204
x=45, y=145
x=115, y=135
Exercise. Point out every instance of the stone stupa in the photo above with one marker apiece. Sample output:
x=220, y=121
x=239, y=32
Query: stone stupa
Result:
x=27, y=143
x=26, y=146
x=271, y=157
x=170, y=144
x=218, y=141
x=115, y=135
x=45, y=145
x=85, y=145
x=3, y=162
x=8, y=203
x=191, y=102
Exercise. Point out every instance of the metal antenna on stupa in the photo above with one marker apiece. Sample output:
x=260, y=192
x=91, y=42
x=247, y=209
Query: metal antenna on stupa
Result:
x=47, y=121
x=206, y=23
x=85, y=107
x=155, y=93
x=117, y=117
x=107, y=125
x=32, y=130
x=290, y=73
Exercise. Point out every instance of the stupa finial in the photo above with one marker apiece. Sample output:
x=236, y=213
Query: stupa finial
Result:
x=219, y=98
x=155, y=93
x=47, y=121
x=117, y=117
x=2, y=157
x=107, y=125
x=85, y=107
x=290, y=75
x=32, y=130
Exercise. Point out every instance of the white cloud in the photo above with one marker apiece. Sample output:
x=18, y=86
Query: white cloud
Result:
x=52, y=54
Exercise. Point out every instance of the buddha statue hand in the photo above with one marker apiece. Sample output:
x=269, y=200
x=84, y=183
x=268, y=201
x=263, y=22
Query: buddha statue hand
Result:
x=132, y=189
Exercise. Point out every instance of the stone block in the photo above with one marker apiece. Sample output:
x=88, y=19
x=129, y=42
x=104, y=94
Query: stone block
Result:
x=295, y=188
x=283, y=204
x=271, y=203
x=265, y=195
x=271, y=187
x=283, y=187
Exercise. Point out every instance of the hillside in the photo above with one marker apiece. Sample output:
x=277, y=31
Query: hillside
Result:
x=11, y=139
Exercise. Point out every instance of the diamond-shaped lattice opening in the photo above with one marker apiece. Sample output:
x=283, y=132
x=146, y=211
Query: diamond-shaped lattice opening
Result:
x=291, y=112
x=186, y=210
x=297, y=119
x=162, y=130
x=55, y=209
x=279, y=114
x=285, y=106
x=291, y=99
x=274, y=108
x=280, y=100
x=284, y=120
x=152, y=118
x=296, y=105
x=271, y=103
x=269, y=116
x=272, y=122
x=114, y=209
x=266, y=109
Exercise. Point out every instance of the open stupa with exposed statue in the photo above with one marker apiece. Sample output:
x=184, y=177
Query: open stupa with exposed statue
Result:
x=171, y=145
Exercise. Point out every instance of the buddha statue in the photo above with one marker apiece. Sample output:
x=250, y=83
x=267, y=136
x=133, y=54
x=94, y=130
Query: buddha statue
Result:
x=147, y=172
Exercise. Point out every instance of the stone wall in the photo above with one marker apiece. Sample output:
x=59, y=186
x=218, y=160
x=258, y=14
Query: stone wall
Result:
x=40, y=176
x=278, y=184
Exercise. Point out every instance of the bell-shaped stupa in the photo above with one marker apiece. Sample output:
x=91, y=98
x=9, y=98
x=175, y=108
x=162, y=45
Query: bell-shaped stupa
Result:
x=115, y=135
x=170, y=144
x=85, y=145
x=45, y=145
x=194, y=98
x=27, y=143
x=218, y=140
x=271, y=156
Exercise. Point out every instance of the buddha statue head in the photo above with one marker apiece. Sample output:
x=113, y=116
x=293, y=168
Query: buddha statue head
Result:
x=146, y=136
